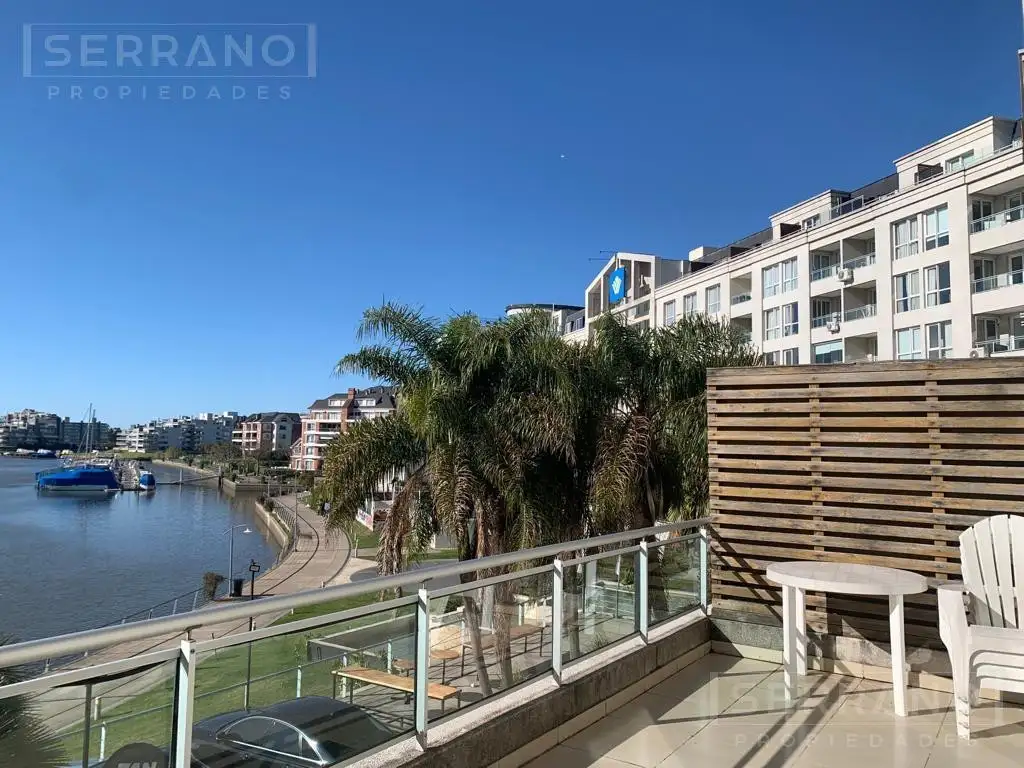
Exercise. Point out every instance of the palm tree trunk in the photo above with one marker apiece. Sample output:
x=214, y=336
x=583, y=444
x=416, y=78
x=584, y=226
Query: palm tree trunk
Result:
x=471, y=610
x=503, y=608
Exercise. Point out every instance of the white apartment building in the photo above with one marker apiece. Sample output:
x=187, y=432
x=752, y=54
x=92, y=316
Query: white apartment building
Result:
x=329, y=417
x=925, y=263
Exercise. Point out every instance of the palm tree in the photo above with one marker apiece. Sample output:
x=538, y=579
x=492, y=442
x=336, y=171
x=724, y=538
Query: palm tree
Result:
x=471, y=395
x=652, y=454
x=24, y=740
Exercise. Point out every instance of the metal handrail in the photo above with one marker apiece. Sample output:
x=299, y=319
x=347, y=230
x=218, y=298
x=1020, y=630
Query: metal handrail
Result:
x=997, y=219
x=740, y=298
x=991, y=283
x=77, y=642
x=821, y=274
x=860, y=261
x=857, y=313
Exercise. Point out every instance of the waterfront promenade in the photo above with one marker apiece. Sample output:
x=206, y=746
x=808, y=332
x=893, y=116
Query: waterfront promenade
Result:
x=317, y=559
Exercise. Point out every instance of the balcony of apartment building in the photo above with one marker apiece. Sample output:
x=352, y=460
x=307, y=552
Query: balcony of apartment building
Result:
x=740, y=293
x=863, y=348
x=824, y=265
x=744, y=325
x=826, y=315
x=858, y=259
x=997, y=219
x=997, y=282
x=999, y=335
x=666, y=647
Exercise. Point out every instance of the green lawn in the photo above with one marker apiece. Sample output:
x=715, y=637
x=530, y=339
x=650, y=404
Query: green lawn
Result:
x=440, y=554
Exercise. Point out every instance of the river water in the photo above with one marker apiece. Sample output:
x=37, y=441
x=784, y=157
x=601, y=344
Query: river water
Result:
x=68, y=564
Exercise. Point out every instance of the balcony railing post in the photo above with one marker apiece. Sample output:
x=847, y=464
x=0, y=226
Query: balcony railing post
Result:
x=87, y=725
x=557, y=593
x=642, y=613
x=422, y=665
x=184, y=703
x=704, y=575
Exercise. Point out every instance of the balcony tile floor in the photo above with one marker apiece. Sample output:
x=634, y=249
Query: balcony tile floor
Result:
x=725, y=712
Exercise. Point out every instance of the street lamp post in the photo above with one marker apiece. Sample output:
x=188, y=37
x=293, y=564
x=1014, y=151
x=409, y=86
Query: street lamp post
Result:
x=254, y=568
x=231, y=549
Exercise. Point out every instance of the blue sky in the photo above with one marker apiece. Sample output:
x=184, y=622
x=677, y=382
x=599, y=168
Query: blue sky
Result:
x=164, y=257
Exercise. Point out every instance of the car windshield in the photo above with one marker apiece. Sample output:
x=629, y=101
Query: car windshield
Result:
x=346, y=734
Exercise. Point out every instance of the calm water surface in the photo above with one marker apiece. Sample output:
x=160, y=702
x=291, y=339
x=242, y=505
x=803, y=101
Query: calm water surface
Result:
x=75, y=563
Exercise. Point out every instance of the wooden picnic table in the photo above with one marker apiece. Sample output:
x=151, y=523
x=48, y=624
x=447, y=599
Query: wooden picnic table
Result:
x=402, y=683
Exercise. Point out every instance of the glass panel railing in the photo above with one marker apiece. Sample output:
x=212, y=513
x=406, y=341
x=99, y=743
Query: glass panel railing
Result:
x=997, y=219
x=993, y=282
x=860, y=261
x=821, y=320
x=739, y=298
x=859, y=313
x=599, y=602
x=821, y=274
x=673, y=587
x=487, y=639
x=1003, y=343
x=344, y=687
x=98, y=718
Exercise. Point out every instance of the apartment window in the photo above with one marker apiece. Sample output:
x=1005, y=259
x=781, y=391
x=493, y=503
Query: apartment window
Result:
x=812, y=222
x=829, y=352
x=908, y=343
x=790, y=320
x=789, y=275
x=936, y=285
x=980, y=209
x=773, y=324
x=669, y=313
x=712, y=299
x=772, y=358
x=940, y=340
x=959, y=162
x=770, y=280
x=821, y=311
x=904, y=238
x=791, y=356
x=907, y=291
x=936, y=228
x=690, y=304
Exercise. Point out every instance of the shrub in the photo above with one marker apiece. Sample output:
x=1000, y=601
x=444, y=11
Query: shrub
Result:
x=211, y=581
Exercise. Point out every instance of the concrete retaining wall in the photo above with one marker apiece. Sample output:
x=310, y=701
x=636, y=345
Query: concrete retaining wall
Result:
x=277, y=527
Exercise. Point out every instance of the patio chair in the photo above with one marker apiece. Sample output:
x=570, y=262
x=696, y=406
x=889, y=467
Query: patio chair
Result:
x=984, y=635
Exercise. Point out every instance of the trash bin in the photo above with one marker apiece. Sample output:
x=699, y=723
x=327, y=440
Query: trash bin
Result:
x=236, y=587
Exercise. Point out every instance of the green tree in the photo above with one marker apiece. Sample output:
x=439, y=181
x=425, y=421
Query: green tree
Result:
x=24, y=740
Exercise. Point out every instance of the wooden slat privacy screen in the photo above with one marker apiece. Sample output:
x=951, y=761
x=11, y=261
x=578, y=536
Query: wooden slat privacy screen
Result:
x=878, y=463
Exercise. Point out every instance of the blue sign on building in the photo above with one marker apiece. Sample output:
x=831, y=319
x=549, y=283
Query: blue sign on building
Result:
x=617, y=285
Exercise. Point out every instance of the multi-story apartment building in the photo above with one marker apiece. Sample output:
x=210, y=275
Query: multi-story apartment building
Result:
x=564, y=317
x=267, y=432
x=329, y=417
x=80, y=433
x=186, y=433
x=30, y=429
x=925, y=263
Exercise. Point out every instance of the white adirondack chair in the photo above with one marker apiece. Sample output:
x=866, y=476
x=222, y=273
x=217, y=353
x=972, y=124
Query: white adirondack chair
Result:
x=985, y=635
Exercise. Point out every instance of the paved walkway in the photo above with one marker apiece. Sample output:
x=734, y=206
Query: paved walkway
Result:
x=317, y=559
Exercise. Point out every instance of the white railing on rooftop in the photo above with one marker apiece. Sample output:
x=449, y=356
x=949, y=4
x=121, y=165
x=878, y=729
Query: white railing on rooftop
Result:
x=562, y=593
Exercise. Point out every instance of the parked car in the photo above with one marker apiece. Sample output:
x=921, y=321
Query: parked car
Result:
x=308, y=732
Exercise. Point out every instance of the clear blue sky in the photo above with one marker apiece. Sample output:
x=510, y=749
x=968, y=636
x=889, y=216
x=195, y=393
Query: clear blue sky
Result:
x=171, y=257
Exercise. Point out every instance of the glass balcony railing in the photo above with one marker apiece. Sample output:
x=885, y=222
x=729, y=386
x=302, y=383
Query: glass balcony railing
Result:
x=859, y=313
x=993, y=282
x=860, y=261
x=997, y=219
x=821, y=320
x=739, y=298
x=1003, y=343
x=821, y=274
x=357, y=672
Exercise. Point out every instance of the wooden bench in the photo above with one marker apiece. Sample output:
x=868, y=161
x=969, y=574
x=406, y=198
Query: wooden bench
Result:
x=401, y=683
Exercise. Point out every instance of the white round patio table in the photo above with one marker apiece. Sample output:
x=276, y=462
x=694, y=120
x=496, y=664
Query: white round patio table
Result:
x=797, y=577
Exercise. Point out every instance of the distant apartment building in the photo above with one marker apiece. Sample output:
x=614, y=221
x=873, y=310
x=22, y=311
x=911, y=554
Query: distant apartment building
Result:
x=565, y=318
x=267, y=432
x=185, y=433
x=329, y=417
x=925, y=263
x=35, y=429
